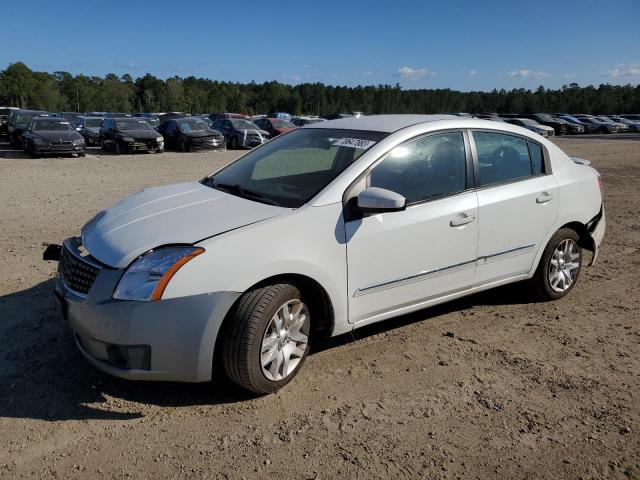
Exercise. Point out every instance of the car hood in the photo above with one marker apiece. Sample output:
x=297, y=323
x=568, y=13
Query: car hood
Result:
x=56, y=135
x=280, y=131
x=183, y=213
x=139, y=134
x=203, y=133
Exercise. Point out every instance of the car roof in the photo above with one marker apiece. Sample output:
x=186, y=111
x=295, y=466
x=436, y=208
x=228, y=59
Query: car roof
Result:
x=382, y=123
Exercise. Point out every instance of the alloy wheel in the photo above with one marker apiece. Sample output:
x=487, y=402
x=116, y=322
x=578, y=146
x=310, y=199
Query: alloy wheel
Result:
x=564, y=265
x=285, y=340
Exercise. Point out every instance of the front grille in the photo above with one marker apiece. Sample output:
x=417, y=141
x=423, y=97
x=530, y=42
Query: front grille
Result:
x=76, y=273
x=61, y=142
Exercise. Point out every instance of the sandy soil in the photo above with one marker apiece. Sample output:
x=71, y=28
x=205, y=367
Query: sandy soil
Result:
x=518, y=390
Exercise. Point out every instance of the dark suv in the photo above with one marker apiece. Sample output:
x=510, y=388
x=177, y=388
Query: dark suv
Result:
x=19, y=122
x=127, y=135
x=190, y=133
x=559, y=126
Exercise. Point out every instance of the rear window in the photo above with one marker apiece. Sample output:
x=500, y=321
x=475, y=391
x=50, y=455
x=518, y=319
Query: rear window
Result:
x=504, y=158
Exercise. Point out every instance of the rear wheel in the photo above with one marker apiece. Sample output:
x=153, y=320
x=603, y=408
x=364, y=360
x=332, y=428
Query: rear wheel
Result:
x=234, y=143
x=559, y=266
x=118, y=148
x=267, y=339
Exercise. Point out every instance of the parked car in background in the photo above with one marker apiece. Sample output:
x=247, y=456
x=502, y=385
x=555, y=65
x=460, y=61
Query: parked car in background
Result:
x=324, y=230
x=50, y=135
x=559, y=126
x=588, y=127
x=631, y=116
x=19, y=122
x=632, y=125
x=89, y=128
x=275, y=126
x=622, y=127
x=599, y=125
x=4, y=118
x=128, y=135
x=221, y=115
x=150, y=118
x=283, y=115
x=169, y=115
x=94, y=114
x=240, y=133
x=532, y=125
x=190, y=133
x=302, y=121
x=117, y=115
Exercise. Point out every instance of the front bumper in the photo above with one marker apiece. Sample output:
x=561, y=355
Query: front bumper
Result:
x=59, y=150
x=171, y=339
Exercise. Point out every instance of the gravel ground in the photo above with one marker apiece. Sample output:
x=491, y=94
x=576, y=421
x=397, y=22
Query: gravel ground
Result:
x=488, y=386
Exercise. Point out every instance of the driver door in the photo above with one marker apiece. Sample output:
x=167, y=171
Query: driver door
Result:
x=400, y=261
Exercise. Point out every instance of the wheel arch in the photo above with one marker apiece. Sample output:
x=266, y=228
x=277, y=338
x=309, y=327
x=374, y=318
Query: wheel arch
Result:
x=317, y=293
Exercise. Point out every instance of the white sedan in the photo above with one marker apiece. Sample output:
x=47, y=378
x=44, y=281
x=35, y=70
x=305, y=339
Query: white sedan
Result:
x=320, y=231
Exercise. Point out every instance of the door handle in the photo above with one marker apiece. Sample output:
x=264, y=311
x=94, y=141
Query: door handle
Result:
x=544, y=197
x=461, y=220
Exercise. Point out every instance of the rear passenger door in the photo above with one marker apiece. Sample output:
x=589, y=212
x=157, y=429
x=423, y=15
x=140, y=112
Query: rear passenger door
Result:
x=517, y=202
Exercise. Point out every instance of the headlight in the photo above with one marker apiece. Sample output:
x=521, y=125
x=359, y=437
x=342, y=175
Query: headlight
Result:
x=39, y=142
x=149, y=275
x=128, y=139
x=160, y=139
x=78, y=142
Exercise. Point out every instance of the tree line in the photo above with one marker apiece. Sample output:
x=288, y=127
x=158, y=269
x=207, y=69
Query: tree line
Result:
x=61, y=91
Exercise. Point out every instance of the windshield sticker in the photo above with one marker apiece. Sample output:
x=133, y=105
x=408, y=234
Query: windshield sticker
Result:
x=353, y=143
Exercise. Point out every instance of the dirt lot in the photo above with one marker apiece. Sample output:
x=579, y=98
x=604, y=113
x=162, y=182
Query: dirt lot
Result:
x=522, y=390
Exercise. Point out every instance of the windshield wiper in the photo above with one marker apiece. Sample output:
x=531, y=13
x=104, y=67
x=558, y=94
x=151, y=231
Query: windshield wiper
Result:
x=240, y=191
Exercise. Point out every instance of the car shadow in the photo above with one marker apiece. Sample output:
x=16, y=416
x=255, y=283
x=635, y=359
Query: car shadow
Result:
x=45, y=377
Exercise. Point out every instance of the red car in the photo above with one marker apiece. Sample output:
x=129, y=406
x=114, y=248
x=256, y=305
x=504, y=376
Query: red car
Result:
x=275, y=126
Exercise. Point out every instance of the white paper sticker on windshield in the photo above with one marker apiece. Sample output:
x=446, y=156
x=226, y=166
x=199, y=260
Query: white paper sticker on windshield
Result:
x=353, y=143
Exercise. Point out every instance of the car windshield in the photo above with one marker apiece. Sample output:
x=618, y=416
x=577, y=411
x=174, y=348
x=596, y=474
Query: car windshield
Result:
x=133, y=125
x=277, y=123
x=545, y=117
x=606, y=120
x=24, y=118
x=193, y=126
x=244, y=125
x=290, y=170
x=50, y=125
x=92, y=122
x=154, y=122
x=528, y=121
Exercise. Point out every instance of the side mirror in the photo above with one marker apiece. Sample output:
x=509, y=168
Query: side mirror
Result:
x=380, y=200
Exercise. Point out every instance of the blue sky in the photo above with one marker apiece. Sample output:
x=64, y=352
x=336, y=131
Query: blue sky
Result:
x=463, y=45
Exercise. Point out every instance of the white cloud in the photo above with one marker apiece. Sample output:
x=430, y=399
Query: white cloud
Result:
x=622, y=70
x=472, y=73
x=526, y=73
x=414, y=73
x=368, y=73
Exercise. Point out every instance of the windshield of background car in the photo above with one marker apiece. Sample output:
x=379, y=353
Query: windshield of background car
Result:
x=282, y=124
x=50, y=125
x=244, y=125
x=133, y=125
x=193, y=126
x=292, y=169
x=92, y=122
x=24, y=118
x=528, y=121
x=546, y=117
x=154, y=122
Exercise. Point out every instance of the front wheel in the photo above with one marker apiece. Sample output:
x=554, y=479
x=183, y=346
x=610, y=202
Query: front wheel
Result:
x=559, y=266
x=233, y=145
x=267, y=339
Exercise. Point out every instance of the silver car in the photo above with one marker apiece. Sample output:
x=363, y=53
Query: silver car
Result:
x=320, y=231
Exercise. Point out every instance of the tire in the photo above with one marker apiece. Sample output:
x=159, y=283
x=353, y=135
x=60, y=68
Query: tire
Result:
x=182, y=147
x=117, y=148
x=253, y=337
x=603, y=130
x=233, y=145
x=82, y=154
x=160, y=150
x=542, y=285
